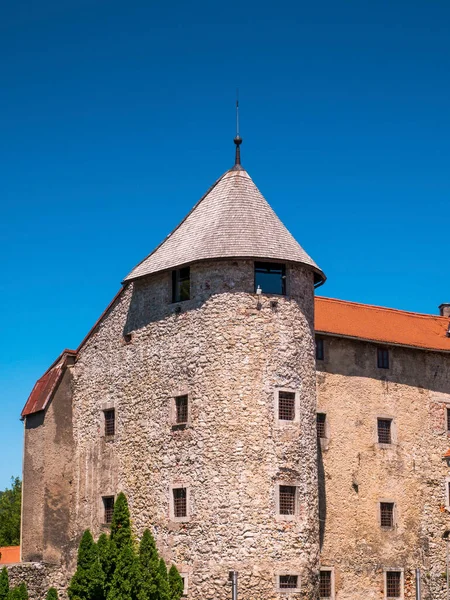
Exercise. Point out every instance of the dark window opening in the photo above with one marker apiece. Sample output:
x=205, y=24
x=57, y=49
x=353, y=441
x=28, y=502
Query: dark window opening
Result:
x=180, y=502
x=320, y=350
x=286, y=406
x=387, y=514
x=271, y=278
x=384, y=431
x=383, y=358
x=108, y=509
x=393, y=584
x=448, y=420
x=321, y=425
x=288, y=582
x=181, y=405
x=127, y=338
x=287, y=499
x=325, y=584
x=181, y=285
x=183, y=577
x=110, y=421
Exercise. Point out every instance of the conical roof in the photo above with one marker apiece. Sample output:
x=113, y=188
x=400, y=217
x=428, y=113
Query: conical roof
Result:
x=232, y=220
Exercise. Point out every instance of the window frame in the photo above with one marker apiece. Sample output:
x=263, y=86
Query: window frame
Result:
x=104, y=519
x=283, y=276
x=402, y=583
x=172, y=488
x=105, y=422
x=330, y=570
x=319, y=348
x=447, y=493
x=288, y=517
x=383, y=358
x=394, y=514
x=447, y=418
x=176, y=284
x=287, y=573
x=296, y=419
x=391, y=431
x=325, y=425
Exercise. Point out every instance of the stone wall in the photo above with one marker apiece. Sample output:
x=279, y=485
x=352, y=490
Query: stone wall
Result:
x=39, y=578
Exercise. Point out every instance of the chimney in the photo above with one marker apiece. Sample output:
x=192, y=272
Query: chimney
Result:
x=444, y=309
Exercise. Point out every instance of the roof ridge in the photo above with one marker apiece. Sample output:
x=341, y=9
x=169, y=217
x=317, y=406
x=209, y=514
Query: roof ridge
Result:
x=385, y=308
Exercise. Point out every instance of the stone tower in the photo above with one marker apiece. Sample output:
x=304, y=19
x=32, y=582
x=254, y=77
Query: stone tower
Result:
x=195, y=395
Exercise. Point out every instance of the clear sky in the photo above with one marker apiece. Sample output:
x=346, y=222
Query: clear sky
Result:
x=115, y=117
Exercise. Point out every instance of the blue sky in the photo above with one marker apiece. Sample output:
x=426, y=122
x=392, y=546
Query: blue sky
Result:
x=116, y=117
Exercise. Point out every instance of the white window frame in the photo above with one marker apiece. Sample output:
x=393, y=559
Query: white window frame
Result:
x=330, y=570
x=447, y=493
x=402, y=582
x=104, y=407
x=288, y=571
x=283, y=422
x=390, y=418
x=176, y=486
x=394, y=515
x=281, y=517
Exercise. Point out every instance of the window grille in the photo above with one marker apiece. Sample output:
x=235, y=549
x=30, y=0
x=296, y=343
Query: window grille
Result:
x=181, y=284
x=110, y=421
x=325, y=584
x=393, y=584
x=287, y=499
x=387, y=514
x=286, y=406
x=181, y=404
x=288, y=582
x=108, y=506
x=383, y=358
x=384, y=431
x=448, y=420
x=321, y=425
x=180, y=502
x=320, y=349
x=271, y=278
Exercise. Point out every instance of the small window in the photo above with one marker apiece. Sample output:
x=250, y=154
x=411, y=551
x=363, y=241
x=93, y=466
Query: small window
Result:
x=287, y=499
x=387, y=514
x=179, y=502
x=321, y=425
x=393, y=584
x=110, y=422
x=288, y=582
x=181, y=409
x=448, y=494
x=127, y=338
x=448, y=419
x=184, y=577
x=271, y=278
x=320, y=350
x=383, y=358
x=108, y=509
x=286, y=406
x=325, y=584
x=384, y=431
x=181, y=285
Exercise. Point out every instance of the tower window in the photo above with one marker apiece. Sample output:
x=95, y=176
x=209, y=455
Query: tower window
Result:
x=393, y=585
x=384, y=431
x=286, y=406
x=110, y=422
x=271, y=278
x=287, y=499
x=321, y=425
x=181, y=284
x=448, y=419
x=325, y=584
x=383, y=358
x=181, y=408
x=320, y=350
x=387, y=514
x=179, y=502
x=108, y=509
x=288, y=582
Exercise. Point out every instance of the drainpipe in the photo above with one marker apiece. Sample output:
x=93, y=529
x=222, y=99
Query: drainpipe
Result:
x=418, y=594
x=233, y=578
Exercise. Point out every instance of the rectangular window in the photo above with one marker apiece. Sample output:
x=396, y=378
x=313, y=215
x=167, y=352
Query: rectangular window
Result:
x=387, y=514
x=383, y=358
x=393, y=584
x=108, y=508
x=181, y=407
x=270, y=278
x=179, y=502
x=287, y=499
x=320, y=350
x=321, y=425
x=110, y=421
x=448, y=419
x=384, y=431
x=181, y=285
x=185, y=583
x=325, y=587
x=288, y=582
x=286, y=406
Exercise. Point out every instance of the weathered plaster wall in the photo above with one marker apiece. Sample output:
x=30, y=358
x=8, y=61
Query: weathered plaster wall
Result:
x=357, y=472
x=229, y=356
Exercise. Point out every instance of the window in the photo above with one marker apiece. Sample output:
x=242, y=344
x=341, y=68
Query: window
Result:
x=387, y=514
x=108, y=509
x=271, y=278
x=286, y=406
x=181, y=410
x=320, y=350
x=384, y=431
x=393, y=584
x=184, y=577
x=287, y=499
x=383, y=358
x=110, y=421
x=325, y=584
x=448, y=419
x=288, y=582
x=127, y=338
x=181, y=284
x=321, y=425
x=179, y=502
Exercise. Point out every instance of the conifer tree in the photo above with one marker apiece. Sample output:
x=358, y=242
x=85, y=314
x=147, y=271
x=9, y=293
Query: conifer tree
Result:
x=125, y=584
x=176, y=586
x=18, y=593
x=88, y=581
x=149, y=567
x=52, y=594
x=4, y=584
x=121, y=535
x=163, y=583
x=104, y=557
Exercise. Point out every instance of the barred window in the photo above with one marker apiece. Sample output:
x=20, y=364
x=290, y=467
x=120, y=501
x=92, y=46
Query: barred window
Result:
x=384, y=431
x=320, y=349
x=180, y=502
x=325, y=584
x=383, y=358
x=286, y=406
x=288, y=582
x=287, y=498
x=110, y=421
x=321, y=425
x=108, y=508
x=448, y=419
x=181, y=406
x=181, y=284
x=387, y=514
x=393, y=584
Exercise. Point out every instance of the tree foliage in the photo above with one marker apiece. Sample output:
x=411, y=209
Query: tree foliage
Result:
x=4, y=584
x=19, y=592
x=163, y=584
x=52, y=594
x=10, y=502
x=149, y=567
x=88, y=580
x=125, y=584
x=176, y=586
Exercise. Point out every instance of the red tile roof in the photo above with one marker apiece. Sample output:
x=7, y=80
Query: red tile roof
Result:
x=9, y=555
x=378, y=324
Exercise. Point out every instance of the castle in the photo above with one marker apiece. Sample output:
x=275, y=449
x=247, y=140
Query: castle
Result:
x=298, y=440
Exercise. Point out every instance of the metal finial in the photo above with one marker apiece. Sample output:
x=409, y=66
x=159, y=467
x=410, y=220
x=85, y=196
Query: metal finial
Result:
x=237, y=139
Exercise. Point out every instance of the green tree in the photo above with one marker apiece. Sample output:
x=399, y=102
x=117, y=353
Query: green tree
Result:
x=52, y=594
x=18, y=593
x=163, y=583
x=176, y=585
x=149, y=567
x=4, y=584
x=104, y=557
x=88, y=580
x=125, y=584
x=10, y=502
x=121, y=535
